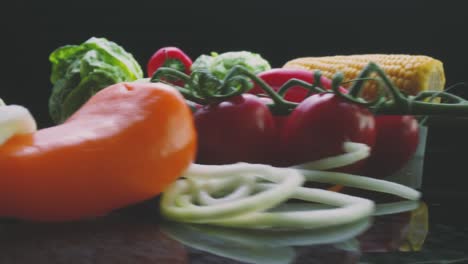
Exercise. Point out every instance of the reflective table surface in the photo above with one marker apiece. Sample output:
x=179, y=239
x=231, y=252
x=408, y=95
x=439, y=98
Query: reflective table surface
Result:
x=435, y=232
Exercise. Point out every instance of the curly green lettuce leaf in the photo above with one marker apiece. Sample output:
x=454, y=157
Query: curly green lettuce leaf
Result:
x=80, y=71
x=220, y=64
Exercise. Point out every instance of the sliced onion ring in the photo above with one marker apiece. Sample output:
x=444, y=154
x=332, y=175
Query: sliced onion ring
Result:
x=286, y=181
x=351, y=209
x=253, y=189
x=353, y=152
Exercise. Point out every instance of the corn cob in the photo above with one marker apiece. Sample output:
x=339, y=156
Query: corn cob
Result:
x=410, y=73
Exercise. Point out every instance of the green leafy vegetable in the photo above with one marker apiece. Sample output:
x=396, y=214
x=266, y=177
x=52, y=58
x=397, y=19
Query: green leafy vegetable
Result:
x=80, y=71
x=220, y=64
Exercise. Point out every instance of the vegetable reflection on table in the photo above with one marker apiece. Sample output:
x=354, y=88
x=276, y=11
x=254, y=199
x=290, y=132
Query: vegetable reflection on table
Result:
x=394, y=225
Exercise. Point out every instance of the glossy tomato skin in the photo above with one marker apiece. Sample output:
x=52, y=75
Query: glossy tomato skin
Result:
x=396, y=142
x=241, y=129
x=319, y=126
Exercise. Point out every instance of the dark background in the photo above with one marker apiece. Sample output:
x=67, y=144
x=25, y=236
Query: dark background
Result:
x=278, y=30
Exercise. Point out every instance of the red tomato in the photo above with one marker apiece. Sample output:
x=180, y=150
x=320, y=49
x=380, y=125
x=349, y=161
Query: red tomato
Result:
x=397, y=140
x=239, y=129
x=278, y=119
x=319, y=126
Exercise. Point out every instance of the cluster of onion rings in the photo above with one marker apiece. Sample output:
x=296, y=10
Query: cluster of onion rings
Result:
x=244, y=195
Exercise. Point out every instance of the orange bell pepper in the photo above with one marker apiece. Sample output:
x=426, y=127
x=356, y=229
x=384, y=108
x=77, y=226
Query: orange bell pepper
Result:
x=125, y=145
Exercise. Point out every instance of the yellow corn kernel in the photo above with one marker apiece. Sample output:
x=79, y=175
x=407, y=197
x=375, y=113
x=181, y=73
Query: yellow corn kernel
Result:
x=410, y=73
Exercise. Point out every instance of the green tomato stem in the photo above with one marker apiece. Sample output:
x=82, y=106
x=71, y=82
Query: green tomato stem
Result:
x=169, y=72
x=280, y=106
x=203, y=88
x=296, y=82
x=422, y=108
x=399, y=104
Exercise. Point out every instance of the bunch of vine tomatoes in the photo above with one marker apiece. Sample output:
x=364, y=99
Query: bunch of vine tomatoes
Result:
x=243, y=129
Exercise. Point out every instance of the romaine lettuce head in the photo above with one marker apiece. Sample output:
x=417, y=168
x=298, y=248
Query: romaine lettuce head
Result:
x=80, y=71
x=220, y=64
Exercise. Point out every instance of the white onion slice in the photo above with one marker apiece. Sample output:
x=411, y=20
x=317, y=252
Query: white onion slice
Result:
x=15, y=119
x=353, y=152
x=362, y=182
x=245, y=195
x=287, y=180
